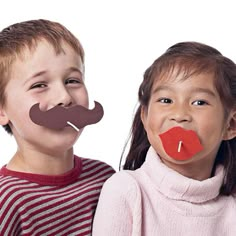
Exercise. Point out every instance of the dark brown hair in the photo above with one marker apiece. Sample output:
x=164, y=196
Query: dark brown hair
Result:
x=25, y=35
x=188, y=58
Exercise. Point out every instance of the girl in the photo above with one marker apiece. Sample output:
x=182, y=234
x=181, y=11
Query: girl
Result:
x=180, y=171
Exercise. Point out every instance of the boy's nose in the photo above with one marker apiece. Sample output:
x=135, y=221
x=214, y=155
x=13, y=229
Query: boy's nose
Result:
x=64, y=100
x=62, y=97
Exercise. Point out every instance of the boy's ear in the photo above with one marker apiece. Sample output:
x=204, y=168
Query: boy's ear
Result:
x=3, y=117
x=230, y=131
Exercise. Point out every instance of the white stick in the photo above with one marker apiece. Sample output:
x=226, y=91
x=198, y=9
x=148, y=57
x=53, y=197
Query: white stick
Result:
x=179, y=147
x=72, y=125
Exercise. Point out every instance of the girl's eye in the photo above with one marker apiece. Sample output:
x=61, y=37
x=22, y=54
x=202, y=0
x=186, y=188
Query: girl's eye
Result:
x=72, y=81
x=200, y=103
x=38, y=85
x=165, y=100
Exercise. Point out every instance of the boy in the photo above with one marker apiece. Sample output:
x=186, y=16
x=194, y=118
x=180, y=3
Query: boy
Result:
x=45, y=188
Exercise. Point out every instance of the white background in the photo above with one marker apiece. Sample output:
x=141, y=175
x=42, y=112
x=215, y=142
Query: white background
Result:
x=121, y=39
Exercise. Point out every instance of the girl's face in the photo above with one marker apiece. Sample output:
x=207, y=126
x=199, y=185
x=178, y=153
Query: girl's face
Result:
x=193, y=104
x=44, y=77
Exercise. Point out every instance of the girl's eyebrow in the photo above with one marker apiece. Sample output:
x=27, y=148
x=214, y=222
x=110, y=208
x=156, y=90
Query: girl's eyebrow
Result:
x=193, y=90
x=204, y=90
x=162, y=87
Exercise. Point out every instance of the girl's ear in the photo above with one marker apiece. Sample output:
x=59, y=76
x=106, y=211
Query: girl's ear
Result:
x=3, y=117
x=143, y=116
x=230, y=131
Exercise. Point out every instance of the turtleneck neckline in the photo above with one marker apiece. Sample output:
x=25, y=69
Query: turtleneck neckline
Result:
x=178, y=187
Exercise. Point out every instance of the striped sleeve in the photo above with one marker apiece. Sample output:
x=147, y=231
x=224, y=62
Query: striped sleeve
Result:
x=30, y=208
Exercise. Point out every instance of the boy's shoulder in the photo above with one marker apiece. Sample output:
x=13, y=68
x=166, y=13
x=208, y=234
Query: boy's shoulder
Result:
x=84, y=168
x=95, y=166
x=93, y=162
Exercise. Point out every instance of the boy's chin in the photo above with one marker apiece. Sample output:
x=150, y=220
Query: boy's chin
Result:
x=64, y=138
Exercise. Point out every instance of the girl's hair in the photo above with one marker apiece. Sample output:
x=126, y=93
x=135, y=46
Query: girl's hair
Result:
x=188, y=58
x=15, y=39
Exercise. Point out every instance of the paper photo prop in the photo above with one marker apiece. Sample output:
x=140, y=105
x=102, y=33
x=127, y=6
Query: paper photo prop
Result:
x=180, y=144
x=59, y=117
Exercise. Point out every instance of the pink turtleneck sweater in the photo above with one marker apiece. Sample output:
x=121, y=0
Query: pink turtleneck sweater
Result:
x=156, y=200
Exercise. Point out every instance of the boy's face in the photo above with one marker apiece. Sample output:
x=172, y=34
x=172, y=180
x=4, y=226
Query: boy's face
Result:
x=193, y=104
x=43, y=77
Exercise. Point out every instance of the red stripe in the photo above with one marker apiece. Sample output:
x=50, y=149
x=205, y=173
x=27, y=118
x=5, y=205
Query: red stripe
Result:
x=81, y=198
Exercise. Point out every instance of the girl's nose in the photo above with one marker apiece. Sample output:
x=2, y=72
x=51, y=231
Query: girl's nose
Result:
x=180, y=114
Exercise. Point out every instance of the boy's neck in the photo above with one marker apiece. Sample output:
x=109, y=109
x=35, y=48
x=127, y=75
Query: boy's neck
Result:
x=40, y=163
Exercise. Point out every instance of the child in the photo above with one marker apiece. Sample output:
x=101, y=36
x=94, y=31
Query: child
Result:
x=45, y=188
x=180, y=171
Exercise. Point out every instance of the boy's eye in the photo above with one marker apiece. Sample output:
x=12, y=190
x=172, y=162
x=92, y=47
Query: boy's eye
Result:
x=38, y=85
x=165, y=100
x=199, y=103
x=72, y=81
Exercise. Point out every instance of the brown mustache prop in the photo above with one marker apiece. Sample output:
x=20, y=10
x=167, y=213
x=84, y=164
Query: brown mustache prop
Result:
x=59, y=117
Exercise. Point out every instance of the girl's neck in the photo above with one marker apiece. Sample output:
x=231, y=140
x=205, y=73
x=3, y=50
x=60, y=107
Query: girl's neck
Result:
x=31, y=161
x=200, y=170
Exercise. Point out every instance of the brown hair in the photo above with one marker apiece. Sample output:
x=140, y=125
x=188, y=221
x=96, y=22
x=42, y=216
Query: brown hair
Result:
x=20, y=36
x=188, y=58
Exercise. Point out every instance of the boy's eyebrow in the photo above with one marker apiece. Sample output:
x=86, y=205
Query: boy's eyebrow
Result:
x=35, y=75
x=70, y=69
x=73, y=68
x=194, y=90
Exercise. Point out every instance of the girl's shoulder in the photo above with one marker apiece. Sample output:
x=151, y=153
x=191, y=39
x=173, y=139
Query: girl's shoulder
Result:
x=123, y=183
x=234, y=197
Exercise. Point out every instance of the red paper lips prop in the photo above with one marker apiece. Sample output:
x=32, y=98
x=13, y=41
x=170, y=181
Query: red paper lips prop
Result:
x=180, y=144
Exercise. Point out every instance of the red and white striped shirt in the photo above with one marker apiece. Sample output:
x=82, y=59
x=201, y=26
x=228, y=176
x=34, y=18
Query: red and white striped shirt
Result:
x=35, y=205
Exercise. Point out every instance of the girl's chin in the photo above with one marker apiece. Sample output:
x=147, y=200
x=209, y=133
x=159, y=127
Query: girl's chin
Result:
x=166, y=158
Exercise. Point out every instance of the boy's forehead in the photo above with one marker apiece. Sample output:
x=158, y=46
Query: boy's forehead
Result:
x=40, y=49
x=37, y=56
x=29, y=50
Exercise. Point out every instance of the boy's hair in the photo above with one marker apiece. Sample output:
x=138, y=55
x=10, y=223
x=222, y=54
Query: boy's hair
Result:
x=188, y=58
x=15, y=39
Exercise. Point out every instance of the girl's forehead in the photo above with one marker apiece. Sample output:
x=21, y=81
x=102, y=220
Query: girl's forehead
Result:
x=175, y=73
x=170, y=78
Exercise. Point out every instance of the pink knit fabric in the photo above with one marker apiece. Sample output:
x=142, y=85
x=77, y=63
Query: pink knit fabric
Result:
x=156, y=200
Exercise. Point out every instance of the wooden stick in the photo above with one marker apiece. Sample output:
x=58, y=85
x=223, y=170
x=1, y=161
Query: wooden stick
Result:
x=179, y=146
x=73, y=126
